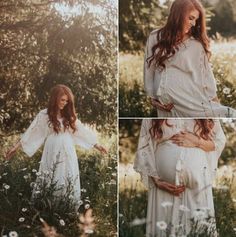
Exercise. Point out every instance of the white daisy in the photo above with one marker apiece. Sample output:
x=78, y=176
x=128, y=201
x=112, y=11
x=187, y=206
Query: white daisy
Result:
x=13, y=234
x=62, y=222
x=21, y=219
x=86, y=206
x=161, y=225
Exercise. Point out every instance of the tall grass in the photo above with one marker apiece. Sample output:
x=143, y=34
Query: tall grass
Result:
x=29, y=217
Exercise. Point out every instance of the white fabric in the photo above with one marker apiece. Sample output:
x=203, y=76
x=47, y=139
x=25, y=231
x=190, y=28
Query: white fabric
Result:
x=187, y=82
x=59, y=150
x=192, y=167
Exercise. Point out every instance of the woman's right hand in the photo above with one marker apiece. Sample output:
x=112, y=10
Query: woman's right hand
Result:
x=165, y=107
x=12, y=151
x=9, y=154
x=175, y=190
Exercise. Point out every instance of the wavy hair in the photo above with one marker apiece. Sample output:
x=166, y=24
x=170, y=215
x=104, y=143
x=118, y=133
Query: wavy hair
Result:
x=68, y=112
x=169, y=36
x=202, y=128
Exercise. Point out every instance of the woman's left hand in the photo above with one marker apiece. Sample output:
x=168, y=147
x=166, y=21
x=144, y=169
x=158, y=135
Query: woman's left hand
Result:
x=100, y=148
x=185, y=139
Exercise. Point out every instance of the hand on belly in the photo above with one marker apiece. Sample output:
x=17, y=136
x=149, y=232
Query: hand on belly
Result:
x=175, y=190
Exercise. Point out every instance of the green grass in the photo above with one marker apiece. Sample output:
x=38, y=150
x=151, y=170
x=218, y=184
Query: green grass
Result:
x=98, y=183
x=133, y=205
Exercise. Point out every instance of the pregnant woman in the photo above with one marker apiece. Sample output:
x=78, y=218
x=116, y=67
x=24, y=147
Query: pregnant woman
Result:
x=58, y=128
x=177, y=160
x=177, y=74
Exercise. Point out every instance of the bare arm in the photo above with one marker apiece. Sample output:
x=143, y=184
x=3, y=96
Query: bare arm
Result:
x=187, y=139
x=13, y=150
x=100, y=148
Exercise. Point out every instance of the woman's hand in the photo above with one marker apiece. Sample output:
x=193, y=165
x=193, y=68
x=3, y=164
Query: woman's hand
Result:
x=100, y=148
x=12, y=151
x=168, y=187
x=157, y=104
x=185, y=139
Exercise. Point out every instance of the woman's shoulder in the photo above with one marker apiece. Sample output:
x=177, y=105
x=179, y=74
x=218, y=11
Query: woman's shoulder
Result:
x=43, y=112
x=195, y=44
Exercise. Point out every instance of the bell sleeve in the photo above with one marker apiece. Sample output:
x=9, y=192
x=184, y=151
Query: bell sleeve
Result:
x=145, y=159
x=83, y=136
x=35, y=135
x=201, y=71
x=149, y=72
x=219, y=140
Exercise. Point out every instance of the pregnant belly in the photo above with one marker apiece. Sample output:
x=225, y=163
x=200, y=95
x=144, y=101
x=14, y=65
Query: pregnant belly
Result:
x=188, y=164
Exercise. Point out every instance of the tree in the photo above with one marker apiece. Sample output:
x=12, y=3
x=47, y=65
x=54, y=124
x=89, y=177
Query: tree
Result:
x=41, y=47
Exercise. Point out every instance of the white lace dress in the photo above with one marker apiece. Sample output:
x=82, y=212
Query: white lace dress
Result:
x=59, y=162
x=192, y=167
x=187, y=82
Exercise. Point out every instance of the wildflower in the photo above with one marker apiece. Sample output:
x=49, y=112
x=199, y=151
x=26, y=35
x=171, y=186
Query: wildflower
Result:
x=34, y=170
x=38, y=173
x=80, y=202
x=24, y=209
x=161, y=225
x=166, y=204
x=87, y=206
x=226, y=90
x=62, y=222
x=13, y=234
x=6, y=186
x=138, y=221
x=21, y=219
x=24, y=169
x=26, y=176
x=113, y=182
x=37, y=192
x=83, y=190
x=32, y=184
x=114, y=174
x=4, y=174
x=183, y=208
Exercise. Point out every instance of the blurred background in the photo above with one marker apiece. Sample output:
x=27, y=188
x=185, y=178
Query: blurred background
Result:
x=133, y=194
x=44, y=43
x=138, y=18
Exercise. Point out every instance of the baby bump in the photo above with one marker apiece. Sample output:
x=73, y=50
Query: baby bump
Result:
x=167, y=155
x=186, y=164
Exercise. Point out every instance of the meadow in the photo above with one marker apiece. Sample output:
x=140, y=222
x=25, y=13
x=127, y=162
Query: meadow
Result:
x=45, y=216
x=133, y=194
x=132, y=99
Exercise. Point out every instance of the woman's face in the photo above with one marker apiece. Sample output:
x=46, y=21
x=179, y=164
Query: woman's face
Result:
x=63, y=101
x=190, y=20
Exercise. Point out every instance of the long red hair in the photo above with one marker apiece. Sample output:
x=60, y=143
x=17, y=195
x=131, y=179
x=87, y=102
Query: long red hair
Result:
x=202, y=128
x=169, y=36
x=68, y=112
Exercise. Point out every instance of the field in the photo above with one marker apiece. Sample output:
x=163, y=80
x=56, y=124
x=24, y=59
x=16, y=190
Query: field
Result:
x=20, y=216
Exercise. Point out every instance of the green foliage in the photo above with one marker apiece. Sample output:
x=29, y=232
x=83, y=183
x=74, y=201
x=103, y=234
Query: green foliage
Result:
x=41, y=47
x=133, y=205
x=99, y=190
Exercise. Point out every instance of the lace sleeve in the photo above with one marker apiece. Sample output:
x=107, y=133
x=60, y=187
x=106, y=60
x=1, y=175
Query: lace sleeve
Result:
x=145, y=159
x=219, y=140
